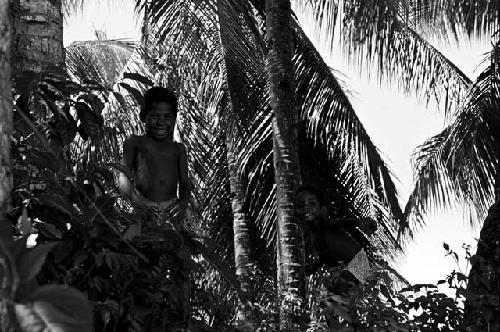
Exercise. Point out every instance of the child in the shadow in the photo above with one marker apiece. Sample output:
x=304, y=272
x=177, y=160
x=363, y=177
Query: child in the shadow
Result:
x=333, y=240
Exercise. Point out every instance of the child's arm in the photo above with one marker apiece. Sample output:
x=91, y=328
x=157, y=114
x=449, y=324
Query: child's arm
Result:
x=124, y=183
x=367, y=225
x=184, y=185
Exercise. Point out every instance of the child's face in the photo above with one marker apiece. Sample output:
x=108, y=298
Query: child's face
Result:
x=309, y=207
x=160, y=120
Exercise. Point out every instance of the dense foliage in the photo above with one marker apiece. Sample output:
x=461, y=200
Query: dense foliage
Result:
x=133, y=283
x=132, y=274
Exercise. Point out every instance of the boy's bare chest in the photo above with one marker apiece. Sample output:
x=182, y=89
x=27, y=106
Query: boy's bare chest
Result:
x=157, y=153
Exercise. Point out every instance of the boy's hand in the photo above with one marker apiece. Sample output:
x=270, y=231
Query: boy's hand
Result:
x=140, y=201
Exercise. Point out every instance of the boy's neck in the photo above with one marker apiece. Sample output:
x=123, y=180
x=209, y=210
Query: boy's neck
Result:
x=165, y=139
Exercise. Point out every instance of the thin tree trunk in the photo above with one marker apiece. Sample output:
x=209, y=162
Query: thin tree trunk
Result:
x=38, y=43
x=238, y=185
x=242, y=242
x=290, y=247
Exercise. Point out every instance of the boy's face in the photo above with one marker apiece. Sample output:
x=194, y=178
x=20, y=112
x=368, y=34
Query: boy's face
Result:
x=160, y=120
x=309, y=207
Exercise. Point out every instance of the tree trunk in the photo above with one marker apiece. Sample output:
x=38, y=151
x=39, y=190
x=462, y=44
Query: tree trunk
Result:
x=242, y=242
x=38, y=42
x=6, y=324
x=290, y=246
x=37, y=47
x=238, y=185
x=5, y=108
x=482, y=309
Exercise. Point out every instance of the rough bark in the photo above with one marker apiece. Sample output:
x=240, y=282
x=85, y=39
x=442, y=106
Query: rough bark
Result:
x=38, y=42
x=5, y=108
x=7, y=323
x=290, y=247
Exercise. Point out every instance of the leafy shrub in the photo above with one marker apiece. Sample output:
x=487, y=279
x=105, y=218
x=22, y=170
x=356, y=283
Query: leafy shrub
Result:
x=133, y=284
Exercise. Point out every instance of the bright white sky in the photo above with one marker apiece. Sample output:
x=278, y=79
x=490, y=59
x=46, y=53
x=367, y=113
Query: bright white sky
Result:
x=397, y=124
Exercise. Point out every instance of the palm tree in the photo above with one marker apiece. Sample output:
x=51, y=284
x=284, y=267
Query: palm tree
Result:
x=242, y=227
x=461, y=165
x=358, y=189
x=5, y=111
x=290, y=246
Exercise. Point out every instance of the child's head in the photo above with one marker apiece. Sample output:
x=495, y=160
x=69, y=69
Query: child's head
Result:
x=310, y=204
x=159, y=112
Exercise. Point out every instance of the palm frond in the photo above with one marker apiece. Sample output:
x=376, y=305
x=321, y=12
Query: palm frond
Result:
x=380, y=34
x=336, y=152
x=445, y=18
x=459, y=165
x=333, y=125
x=101, y=61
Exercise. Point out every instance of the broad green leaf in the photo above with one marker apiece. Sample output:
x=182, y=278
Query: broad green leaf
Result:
x=55, y=308
x=32, y=261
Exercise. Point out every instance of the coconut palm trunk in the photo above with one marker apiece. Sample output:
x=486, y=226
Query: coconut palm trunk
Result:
x=242, y=242
x=290, y=247
x=238, y=184
x=38, y=42
x=37, y=48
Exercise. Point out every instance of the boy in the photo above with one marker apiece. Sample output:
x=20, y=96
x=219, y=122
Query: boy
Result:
x=158, y=164
x=159, y=169
x=333, y=240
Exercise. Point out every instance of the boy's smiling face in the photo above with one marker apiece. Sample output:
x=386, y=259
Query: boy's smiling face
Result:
x=160, y=120
x=309, y=208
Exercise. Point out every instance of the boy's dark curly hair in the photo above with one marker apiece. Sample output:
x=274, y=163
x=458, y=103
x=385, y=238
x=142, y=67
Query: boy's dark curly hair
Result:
x=157, y=94
x=313, y=190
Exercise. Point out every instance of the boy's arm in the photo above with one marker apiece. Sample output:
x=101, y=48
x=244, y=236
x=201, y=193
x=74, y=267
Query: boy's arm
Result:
x=184, y=185
x=124, y=183
x=367, y=225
